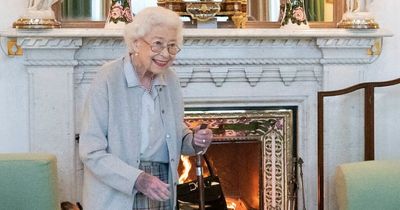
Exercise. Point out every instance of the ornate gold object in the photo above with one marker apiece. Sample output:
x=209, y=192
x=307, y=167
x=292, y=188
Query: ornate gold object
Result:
x=358, y=24
x=205, y=10
x=26, y=23
x=376, y=49
x=357, y=16
x=13, y=49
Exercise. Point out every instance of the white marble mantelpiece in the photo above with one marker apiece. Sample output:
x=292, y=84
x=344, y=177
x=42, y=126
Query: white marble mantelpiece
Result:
x=221, y=33
x=217, y=67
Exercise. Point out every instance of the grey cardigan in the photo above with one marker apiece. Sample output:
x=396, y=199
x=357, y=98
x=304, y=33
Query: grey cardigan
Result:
x=109, y=144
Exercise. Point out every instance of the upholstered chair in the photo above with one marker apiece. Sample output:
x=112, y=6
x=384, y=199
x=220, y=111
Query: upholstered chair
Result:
x=368, y=185
x=28, y=181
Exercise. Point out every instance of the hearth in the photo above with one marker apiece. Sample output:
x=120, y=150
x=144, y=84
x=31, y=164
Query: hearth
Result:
x=252, y=153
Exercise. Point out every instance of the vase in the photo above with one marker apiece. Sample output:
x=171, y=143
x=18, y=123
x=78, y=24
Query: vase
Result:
x=294, y=16
x=119, y=15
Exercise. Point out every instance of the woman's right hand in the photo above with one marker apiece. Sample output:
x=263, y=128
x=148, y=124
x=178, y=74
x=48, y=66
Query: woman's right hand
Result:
x=152, y=187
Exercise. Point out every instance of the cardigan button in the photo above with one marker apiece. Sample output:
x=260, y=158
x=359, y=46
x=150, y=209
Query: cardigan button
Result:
x=162, y=111
x=168, y=136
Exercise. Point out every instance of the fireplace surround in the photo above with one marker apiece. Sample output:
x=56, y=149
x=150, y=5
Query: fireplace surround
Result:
x=216, y=68
x=252, y=151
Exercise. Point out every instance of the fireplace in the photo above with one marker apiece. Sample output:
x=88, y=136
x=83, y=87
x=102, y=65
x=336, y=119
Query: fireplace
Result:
x=252, y=154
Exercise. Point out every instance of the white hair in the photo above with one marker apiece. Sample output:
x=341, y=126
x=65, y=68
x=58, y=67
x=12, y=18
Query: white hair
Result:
x=149, y=18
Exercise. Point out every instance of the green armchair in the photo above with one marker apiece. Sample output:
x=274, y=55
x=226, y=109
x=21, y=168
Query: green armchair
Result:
x=28, y=181
x=368, y=185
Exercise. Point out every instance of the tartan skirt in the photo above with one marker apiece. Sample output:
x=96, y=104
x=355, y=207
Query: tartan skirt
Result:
x=142, y=202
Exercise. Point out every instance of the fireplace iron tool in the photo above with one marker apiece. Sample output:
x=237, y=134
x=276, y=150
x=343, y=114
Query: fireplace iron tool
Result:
x=300, y=162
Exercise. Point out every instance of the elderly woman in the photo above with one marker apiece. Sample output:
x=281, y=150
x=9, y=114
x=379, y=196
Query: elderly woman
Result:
x=132, y=131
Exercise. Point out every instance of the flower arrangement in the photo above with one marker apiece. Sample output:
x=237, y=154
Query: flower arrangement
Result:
x=295, y=13
x=120, y=11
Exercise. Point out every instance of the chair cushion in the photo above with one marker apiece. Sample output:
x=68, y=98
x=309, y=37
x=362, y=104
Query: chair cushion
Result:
x=28, y=181
x=368, y=185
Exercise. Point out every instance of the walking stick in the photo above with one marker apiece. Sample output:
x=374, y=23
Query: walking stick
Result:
x=199, y=173
x=200, y=180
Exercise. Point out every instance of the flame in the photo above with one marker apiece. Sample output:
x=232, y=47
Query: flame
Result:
x=231, y=205
x=235, y=204
x=186, y=168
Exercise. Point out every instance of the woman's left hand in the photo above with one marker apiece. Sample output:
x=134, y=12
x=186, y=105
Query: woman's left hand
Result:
x=202, y=138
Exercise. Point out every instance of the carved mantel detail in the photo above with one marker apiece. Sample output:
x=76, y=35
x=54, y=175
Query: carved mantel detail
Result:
x=219, y=55
x=49, y=42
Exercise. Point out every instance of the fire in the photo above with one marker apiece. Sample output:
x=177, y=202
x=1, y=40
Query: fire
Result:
x=231, y=205
x=235, y=204
x=186, y=168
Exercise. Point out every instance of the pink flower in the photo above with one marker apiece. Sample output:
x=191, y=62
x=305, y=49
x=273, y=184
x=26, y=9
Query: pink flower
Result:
x=128, y=15
x=116, y=11
x=298, y=13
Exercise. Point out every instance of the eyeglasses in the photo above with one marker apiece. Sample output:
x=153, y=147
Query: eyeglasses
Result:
x=158, y=46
